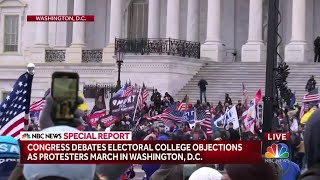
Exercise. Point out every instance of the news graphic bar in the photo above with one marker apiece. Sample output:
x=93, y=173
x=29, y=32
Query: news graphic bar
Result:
x=276, y=136
x=139, y=152
x=75, y=136
x=60, y=18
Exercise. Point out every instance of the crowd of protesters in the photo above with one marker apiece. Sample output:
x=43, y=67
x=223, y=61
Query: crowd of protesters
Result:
x=304, y=140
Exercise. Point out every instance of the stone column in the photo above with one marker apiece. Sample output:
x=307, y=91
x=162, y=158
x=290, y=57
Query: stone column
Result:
x=173, y=19
x=193, y=20
x=74, y=52
x=213, y=47
x=37, y=53
x=42, y=28
x=254, y=50
x=78, y=31
x=297, y=50
x=154, y=19
x=116, y=18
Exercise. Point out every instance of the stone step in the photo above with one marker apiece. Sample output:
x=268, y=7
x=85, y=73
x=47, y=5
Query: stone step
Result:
x=226, y=77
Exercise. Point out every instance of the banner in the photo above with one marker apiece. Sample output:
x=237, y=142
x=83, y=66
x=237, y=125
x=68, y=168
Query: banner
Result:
x=189, y=116
x=121, y=105
x=93, y=118
x=232, y=117
x=108, y=120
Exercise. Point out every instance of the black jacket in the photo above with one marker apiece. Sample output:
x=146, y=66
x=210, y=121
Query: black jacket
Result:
x=202, y=84
x=316, y=44
x=311, y=84
x=234, y=134
x=156, y=97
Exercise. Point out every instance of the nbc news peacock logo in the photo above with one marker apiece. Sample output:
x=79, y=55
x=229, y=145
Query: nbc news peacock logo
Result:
x=277, y=152
x=25, y=136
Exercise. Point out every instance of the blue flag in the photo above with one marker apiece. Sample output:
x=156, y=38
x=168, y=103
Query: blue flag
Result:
x=292, y=100
x=189, y=116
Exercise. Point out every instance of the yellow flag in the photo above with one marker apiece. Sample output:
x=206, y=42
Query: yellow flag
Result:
x=306, y=116
x=83, y=106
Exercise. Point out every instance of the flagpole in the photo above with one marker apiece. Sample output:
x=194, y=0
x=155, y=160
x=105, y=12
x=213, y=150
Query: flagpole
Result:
x=30, y=70
x=135, y=110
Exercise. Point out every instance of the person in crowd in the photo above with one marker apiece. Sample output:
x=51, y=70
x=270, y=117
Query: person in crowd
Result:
x=9, y=156
x=198, y=133
x=298, y=144
x=169, y=97
x=59, y=171
x=165, y=102
x=293, y=122
x=203, y=88
x=260, y=114
x=206, y=173
x=287, y=169
x=316, y=44
x=311, y=84
x=312, y=148
x=128, y=120
x=239, y=108
x=99, y=103
x=219, y=108
x=208, y=105
x=262, y=171
x=168, y=171
x=198, y=104
x=234, y=134
x=227, y=100
x=150, y=169
x=222, y=132
x=156, y=99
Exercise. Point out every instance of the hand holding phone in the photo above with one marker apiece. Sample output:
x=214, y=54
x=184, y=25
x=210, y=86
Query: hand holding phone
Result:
x=64, y=92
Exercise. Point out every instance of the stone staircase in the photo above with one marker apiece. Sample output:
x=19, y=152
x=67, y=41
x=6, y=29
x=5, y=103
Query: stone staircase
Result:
x=227, y=77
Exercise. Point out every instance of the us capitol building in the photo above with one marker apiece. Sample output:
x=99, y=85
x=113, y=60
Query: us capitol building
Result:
x=166, y=42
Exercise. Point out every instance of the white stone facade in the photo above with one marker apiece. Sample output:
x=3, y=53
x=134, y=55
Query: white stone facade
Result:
x=228, y=30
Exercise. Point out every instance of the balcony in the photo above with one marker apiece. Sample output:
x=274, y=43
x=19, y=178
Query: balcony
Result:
x=174, y=47
x=55, y=55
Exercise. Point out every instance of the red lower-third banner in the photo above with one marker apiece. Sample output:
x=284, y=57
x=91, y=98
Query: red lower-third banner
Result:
x=139, y=152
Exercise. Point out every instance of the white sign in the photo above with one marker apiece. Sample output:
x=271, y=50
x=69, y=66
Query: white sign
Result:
x=232, y=117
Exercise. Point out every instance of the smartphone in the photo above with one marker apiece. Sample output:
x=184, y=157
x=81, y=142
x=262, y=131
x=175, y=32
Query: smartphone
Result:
x=64, y=92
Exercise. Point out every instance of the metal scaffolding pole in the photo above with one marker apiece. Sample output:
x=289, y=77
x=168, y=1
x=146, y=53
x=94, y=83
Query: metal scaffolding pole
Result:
x=270, y=89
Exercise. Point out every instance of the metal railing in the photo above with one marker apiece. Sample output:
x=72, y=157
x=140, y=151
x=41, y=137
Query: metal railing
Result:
x=94, y=56
x=167, y=46
x=55, y=55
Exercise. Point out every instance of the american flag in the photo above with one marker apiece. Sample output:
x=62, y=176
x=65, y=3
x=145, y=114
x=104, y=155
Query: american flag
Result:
x=120, y=91
x=39, y=105
x=128, y=91
x=143, y=97
x=15, y=107
x=204, y=117
x=183, y=106
x=169, y=114
x=310, y=97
